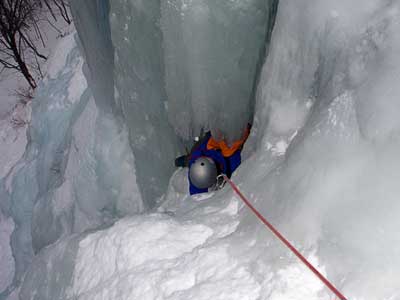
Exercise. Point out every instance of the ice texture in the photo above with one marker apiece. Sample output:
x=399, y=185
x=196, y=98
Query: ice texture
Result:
x=212, y=51
x=125, y=72
x=34, y=177
x=6, y=260
x=140, y=92
x=159, y=96
x=91, y=18
x=67, y=181
x=328, y=90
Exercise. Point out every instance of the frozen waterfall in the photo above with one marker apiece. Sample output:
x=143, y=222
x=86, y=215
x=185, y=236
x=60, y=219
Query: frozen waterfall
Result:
x=95, y=209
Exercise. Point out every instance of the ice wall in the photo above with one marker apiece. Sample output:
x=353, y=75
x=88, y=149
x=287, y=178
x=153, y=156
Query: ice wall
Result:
x=210, y=61
x=91, y=18
x=77, y=172
x=176, y=66
x=326, y=134
x=40, y=171
x=212, y=51
x=140, y=92
x=122, y=46
x=324, y=52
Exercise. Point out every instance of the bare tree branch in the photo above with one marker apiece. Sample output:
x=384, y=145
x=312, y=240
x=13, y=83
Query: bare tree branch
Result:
x=8, y=65
x=62, y=7
x=16, y=19
x=31, y=45
x=20, y=33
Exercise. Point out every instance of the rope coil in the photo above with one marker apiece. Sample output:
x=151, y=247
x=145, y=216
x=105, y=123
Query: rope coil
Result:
x=284, y=240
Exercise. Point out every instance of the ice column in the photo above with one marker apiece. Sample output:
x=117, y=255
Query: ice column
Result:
x=212, y=51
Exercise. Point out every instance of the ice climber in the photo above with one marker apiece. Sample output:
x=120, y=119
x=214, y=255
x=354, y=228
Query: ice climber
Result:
x=209, y=158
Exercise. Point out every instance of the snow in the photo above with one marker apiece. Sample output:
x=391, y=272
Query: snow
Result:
x=295, y=280
x=65, y=182
x=6, y=260
x=78, y=84
x=13, y=137
x=158, y=257
x=9, y=83
x=13, y=140
x=130, y=245
x=12, y=81
x=58, y=59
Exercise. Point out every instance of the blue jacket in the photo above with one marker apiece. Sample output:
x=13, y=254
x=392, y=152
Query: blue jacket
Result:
x=225, y=165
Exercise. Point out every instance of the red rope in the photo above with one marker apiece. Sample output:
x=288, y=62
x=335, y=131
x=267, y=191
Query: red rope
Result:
x=285, y=241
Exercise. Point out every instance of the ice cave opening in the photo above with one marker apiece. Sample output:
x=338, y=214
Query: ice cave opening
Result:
x=179, y=67
x=96, y=210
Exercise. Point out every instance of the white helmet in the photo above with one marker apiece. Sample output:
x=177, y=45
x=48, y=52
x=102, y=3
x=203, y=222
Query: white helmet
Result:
x=203, y=173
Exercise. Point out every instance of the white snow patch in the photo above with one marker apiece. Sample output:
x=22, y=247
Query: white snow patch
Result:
x=63, y=197
x=58, y=59
x=13, y=137
x=130, y=245
x=280, y=148
x=156, y=257
x=6, y=259
x=77, y=84
x=297, y=282
x=9, y=83
x=203, y=196
x=287, y=117
x=232, y=209
x=12, y=81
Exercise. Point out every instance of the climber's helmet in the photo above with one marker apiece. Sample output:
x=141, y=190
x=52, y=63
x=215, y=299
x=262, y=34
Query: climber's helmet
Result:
x=203, y=173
